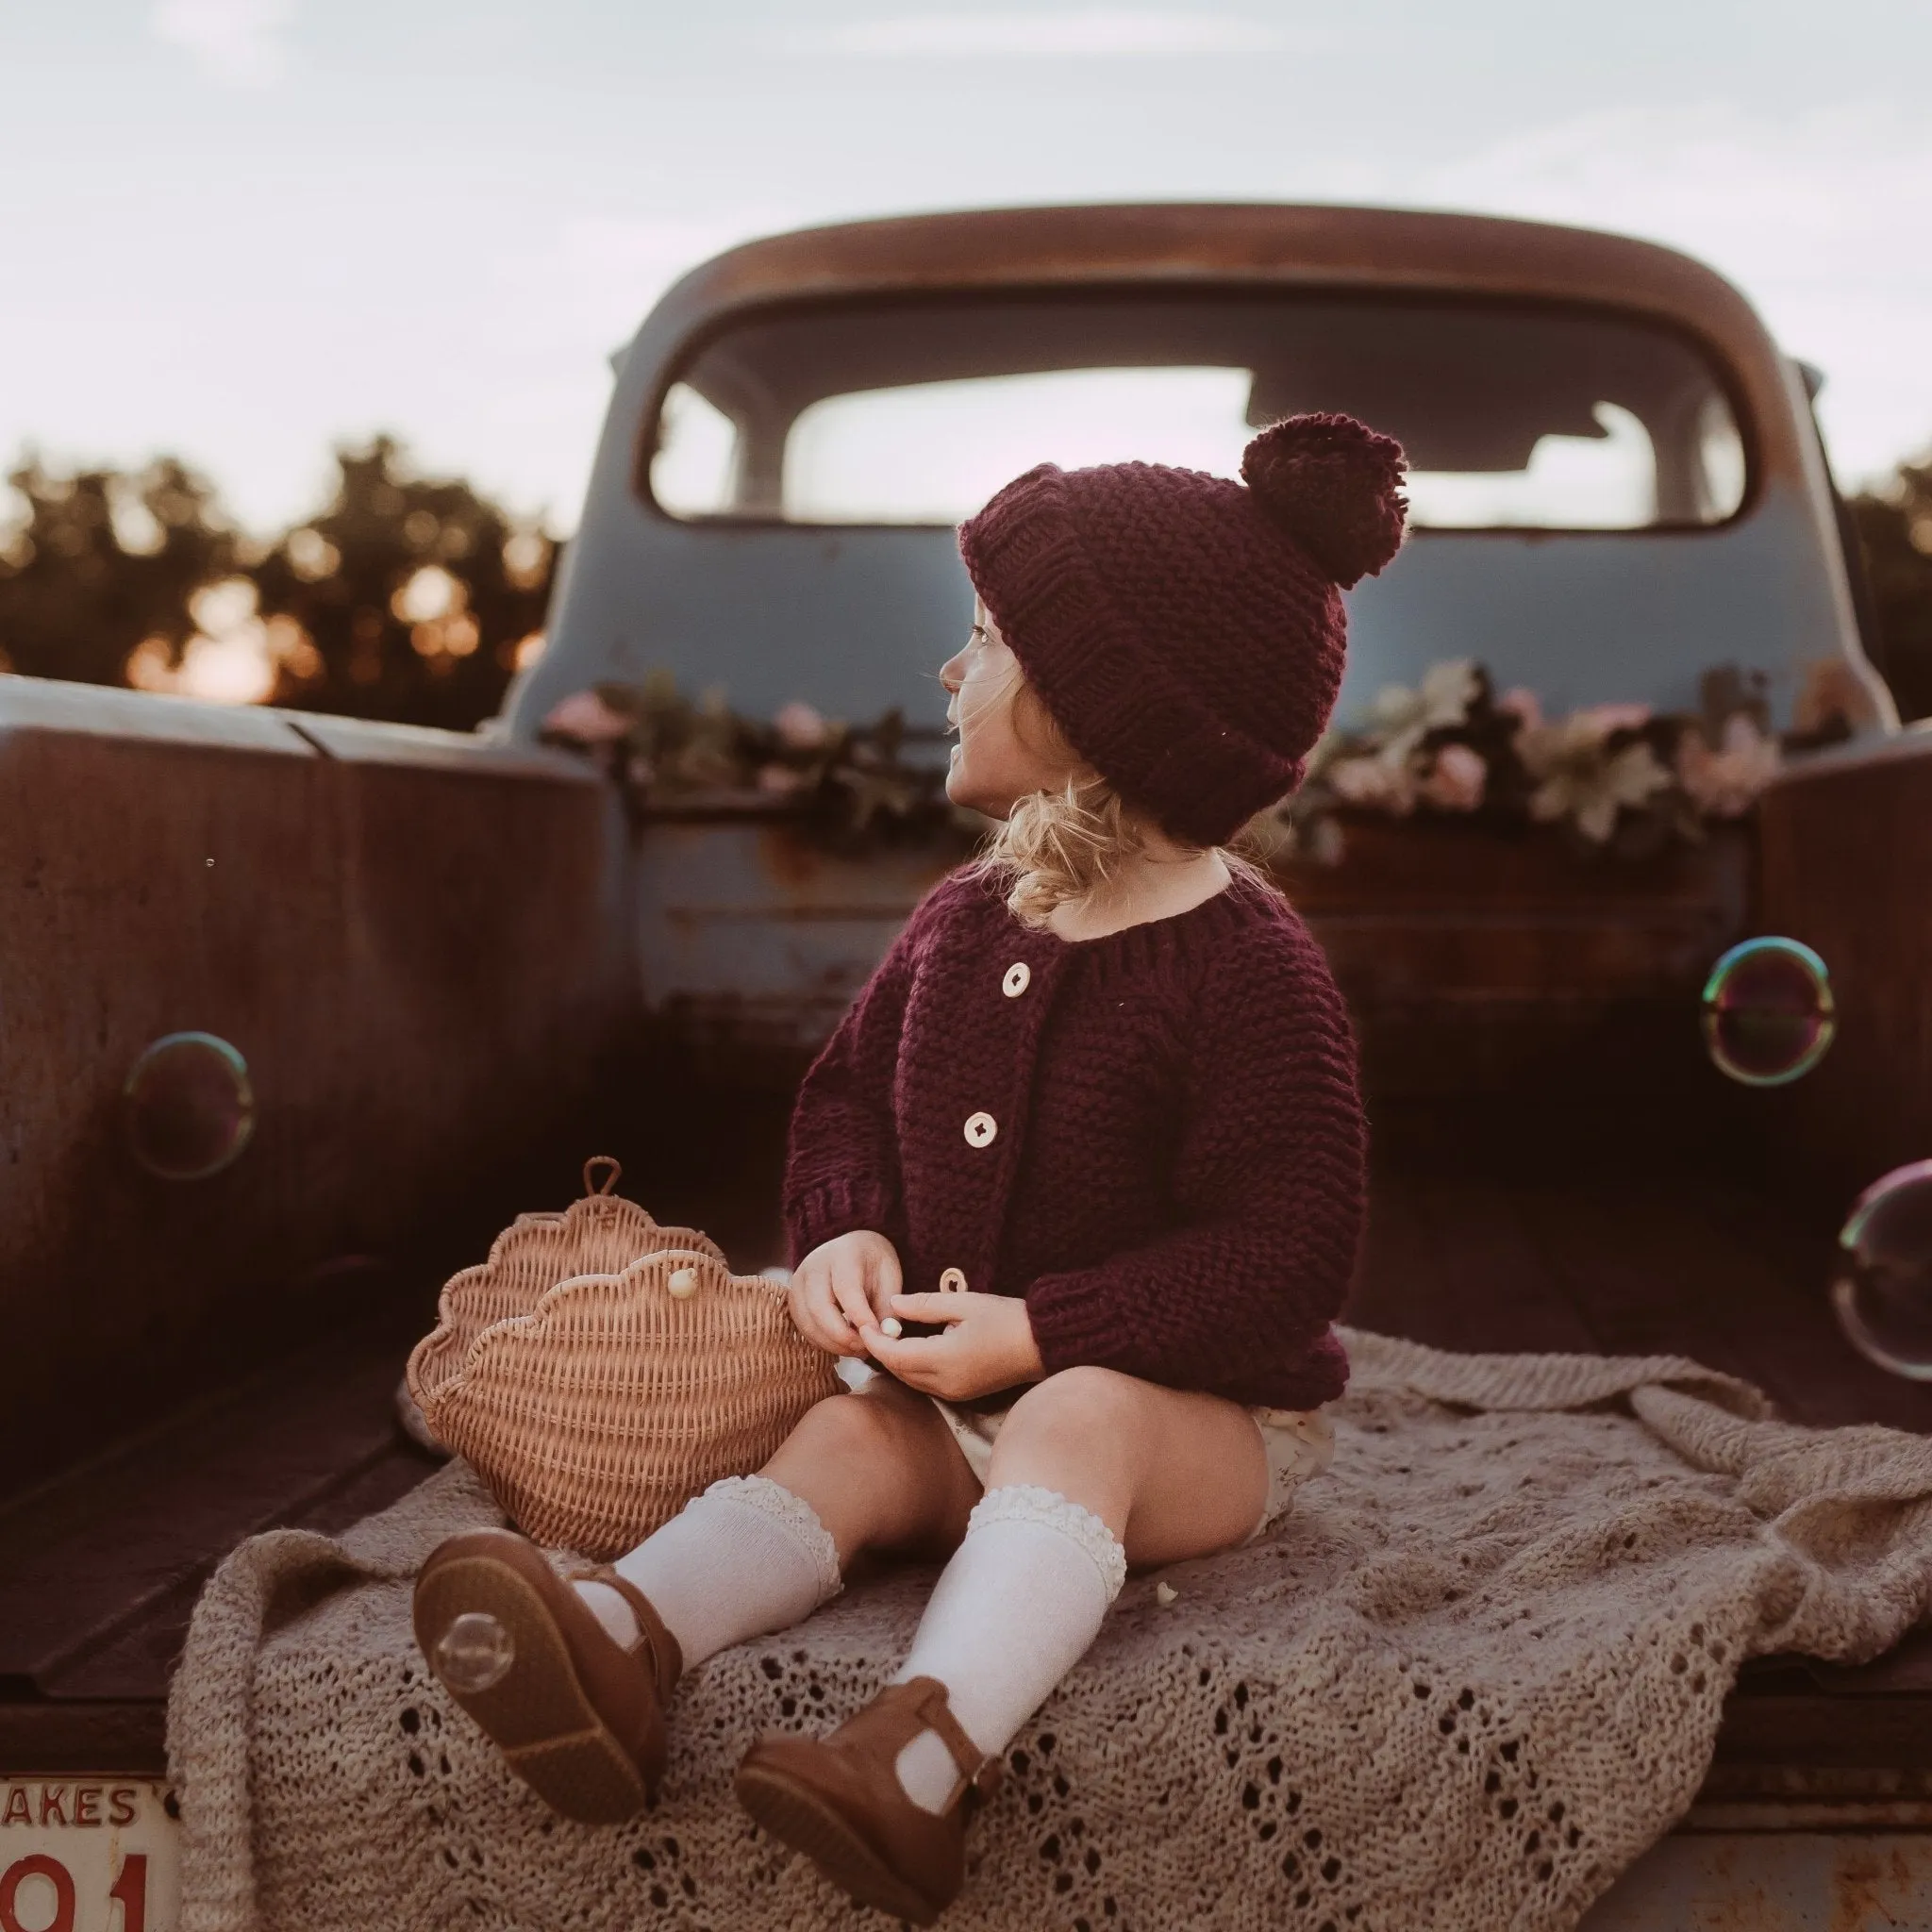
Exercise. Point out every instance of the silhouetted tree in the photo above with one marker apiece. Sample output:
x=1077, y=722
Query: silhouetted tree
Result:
x=1896, y=532
x=408, y=598
x=413, y=596
x=102, y=563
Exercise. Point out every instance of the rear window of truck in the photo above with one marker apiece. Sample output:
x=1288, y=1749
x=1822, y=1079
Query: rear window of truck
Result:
x=1514, y=417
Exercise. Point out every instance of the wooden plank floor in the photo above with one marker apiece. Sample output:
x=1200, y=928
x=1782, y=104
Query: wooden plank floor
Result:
x=100, y=1568
x=1521, y=1252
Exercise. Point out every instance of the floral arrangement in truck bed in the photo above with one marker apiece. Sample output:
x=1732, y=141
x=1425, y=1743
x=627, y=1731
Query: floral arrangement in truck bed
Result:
x=1619, y=779
x=848, y=787
x=1611, y=778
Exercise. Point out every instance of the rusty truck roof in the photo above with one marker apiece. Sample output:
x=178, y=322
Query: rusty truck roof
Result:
x=1265, y=244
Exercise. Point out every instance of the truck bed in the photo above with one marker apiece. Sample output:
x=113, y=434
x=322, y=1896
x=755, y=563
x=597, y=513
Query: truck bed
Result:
x=1558, y=1248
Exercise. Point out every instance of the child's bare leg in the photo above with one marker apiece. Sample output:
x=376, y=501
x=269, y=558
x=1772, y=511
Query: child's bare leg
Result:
x=881, y=1471
x=1172, y=1473
x=754, y=1553
x=1090, y=1470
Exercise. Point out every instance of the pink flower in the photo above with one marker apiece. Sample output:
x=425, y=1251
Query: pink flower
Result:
x=1725, y=783
x=1456, y=780
x=800, y=728
x=1522, y=705
x=585, y=718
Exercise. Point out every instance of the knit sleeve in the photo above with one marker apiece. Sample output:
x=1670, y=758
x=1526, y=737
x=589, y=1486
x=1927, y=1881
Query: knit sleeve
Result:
x=1269, y=1185
x=841, y=1164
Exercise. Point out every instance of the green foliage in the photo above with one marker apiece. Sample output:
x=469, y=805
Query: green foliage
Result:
x=406, y=598
x=102, y=562
x=1895, y=531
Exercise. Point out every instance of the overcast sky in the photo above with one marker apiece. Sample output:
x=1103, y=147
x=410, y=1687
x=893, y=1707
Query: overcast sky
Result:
x=244, y=229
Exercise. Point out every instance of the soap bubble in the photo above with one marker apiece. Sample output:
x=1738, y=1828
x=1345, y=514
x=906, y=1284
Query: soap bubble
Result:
x=1768, y=1012
x=190, y=1109
x=1883, y=1286
x=474, y=1653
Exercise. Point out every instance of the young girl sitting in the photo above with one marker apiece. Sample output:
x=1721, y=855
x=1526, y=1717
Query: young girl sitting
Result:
x=1093, y=1127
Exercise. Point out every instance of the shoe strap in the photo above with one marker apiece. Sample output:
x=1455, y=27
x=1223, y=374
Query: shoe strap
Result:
x=666, y=1655
x=979, y=1772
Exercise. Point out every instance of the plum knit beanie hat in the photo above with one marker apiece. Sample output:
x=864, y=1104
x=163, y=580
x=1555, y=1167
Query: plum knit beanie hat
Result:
x=1187, y=631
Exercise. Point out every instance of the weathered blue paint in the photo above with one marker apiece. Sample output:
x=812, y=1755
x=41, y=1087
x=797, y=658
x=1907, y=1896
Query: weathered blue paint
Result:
x=1634, y=616
x=751, y=937
x=859, y=620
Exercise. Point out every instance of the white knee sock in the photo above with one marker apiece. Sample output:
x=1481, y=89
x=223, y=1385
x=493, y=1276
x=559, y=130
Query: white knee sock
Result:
x=744, y=1557
x=1013, y=1613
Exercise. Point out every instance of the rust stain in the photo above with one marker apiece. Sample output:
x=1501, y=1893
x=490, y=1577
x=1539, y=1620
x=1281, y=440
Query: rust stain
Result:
x=1877, y=1886
x=1742, y=1904
x=788, y=861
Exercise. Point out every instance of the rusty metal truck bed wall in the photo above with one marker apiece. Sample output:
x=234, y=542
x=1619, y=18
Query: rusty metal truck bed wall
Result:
x=415, y=939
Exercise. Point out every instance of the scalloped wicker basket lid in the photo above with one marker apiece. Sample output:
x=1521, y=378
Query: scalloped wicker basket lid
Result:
x=597, y=1235
x=599, y=1370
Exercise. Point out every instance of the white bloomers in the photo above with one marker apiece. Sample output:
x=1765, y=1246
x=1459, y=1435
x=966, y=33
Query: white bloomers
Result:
x=1299, y=1443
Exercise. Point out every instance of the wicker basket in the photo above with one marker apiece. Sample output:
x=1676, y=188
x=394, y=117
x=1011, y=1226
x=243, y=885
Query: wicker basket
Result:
x=599, y=1371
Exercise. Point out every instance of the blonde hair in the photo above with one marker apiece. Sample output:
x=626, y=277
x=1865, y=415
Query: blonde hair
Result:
x=1068, y=844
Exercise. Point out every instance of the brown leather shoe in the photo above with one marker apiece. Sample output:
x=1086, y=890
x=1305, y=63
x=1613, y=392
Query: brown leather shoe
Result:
x=839, y=1801
x=576, y=1716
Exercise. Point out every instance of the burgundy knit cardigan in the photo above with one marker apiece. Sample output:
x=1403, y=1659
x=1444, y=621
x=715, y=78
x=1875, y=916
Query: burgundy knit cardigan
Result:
x=1155, y=1137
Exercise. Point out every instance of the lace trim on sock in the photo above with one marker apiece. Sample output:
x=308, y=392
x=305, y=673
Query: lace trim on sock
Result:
x=1029, y=1502
x=793, y=1515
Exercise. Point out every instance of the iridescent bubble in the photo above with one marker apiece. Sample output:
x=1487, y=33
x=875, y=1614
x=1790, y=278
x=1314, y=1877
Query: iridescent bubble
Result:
x=188, y=1106
x=1768, y=1011
x=1882, y=1288
x=474, y=1652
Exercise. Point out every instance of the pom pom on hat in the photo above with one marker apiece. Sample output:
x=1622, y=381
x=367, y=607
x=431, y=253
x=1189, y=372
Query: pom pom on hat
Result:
x=1335, y=486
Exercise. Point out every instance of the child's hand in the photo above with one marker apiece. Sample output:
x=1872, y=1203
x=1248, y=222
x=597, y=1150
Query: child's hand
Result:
x=988, y=1344
x=843, y=1286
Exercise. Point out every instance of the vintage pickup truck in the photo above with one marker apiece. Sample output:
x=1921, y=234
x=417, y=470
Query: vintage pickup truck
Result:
x=427, y=975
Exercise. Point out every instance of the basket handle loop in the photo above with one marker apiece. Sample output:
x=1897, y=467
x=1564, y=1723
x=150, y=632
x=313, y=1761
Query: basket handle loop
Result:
x=610, y=1179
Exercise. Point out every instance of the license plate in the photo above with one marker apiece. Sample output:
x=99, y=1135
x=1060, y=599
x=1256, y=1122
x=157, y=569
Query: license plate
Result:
x=88, y=1854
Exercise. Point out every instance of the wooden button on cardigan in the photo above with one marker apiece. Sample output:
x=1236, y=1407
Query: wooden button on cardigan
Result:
x=1175, y=1181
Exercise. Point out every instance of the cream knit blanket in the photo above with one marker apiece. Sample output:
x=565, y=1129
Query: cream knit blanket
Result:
x=1471, y=1678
